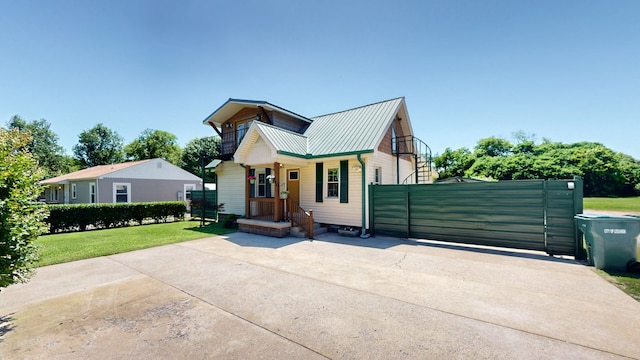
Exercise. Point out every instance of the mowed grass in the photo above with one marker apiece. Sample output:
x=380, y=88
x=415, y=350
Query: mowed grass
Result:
x=60, y=248
x=627, y=204
x=627, y=282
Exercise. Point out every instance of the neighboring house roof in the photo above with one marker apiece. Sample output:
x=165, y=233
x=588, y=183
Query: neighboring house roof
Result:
x=92, y=172
x=232, y=106
x=154, y=169
x=358, y=130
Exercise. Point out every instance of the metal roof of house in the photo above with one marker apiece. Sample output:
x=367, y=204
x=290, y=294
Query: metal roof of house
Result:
x=92, y=172
x=346, y=132
x=354, y=130
x=284, y=140
x=232, y=106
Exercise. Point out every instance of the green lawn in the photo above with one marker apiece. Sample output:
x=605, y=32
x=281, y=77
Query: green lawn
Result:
x=60, y=248
x=628, y=204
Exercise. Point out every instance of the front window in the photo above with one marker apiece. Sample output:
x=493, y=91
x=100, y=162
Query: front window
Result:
x=53, y=194
x=262, y=188
x=378, y=176
x=121, y=193
x=332, y=183
x=92, y=193
x=74, y=193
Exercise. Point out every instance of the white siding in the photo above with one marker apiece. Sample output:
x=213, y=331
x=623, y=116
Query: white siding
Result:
x=260, y=153
x=231, y=187
x=388, y=165
x=331, y=211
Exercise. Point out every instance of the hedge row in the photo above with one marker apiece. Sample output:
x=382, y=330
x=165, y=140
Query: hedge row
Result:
x=79, y=217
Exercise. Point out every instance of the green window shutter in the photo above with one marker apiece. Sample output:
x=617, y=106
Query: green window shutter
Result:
x=252, y=187
x=344, y=181
x=319, y=182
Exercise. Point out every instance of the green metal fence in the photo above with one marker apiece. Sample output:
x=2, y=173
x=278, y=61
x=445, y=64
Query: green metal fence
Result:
x=210, y=205
x=523, y=214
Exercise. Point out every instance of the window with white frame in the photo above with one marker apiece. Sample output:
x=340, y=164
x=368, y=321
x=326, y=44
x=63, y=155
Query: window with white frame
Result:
x=53, y=193
x=377, y=176
x=92, y=193
x=333, y=183
x=74, y=191
x=121, y=192
x=394, y=140
x=261, y=185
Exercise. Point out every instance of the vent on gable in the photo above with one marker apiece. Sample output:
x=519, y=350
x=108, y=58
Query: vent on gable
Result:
x=159, y=165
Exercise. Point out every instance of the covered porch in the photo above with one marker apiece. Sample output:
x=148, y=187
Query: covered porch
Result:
x=263, y=200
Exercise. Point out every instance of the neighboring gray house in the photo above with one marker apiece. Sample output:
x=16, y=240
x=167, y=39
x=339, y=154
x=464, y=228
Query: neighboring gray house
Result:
x=129, y=182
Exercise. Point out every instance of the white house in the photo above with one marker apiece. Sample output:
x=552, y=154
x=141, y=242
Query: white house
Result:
x=325, y=162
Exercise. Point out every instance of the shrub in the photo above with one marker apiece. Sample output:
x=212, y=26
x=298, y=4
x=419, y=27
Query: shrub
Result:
x=79, y=217
x=21, y=222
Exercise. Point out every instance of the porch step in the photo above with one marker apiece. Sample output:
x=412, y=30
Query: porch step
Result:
x=297, y=231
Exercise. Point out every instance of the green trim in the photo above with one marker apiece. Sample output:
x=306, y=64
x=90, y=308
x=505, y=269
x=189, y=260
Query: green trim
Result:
x=319, y=181
x=309, y=156
x=344, y=181
x=364, y=197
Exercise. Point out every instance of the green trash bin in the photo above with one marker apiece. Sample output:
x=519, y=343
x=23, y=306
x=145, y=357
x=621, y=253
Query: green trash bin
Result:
x=611, y=241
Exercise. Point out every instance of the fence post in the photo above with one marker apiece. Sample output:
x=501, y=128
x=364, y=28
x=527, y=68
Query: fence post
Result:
x=310, y=224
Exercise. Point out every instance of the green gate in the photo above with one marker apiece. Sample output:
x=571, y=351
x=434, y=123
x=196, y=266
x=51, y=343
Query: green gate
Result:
x=523, y=214
x=197, y=203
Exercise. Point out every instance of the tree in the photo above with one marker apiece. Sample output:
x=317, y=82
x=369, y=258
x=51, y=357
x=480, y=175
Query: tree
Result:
x=605, y=172
x=20, y=221
x=98, y=146
x=195, y=149
x=153, y=144
x=493, y=146
x=453, y=162
x=44, y=146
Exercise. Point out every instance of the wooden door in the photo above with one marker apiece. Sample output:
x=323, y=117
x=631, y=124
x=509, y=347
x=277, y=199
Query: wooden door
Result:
x=293, y=185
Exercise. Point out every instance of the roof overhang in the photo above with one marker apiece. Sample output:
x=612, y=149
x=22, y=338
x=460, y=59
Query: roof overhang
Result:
x=256, y=149
x=232, y=106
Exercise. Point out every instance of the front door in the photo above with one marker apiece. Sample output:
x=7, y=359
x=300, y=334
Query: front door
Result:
x=293, y=185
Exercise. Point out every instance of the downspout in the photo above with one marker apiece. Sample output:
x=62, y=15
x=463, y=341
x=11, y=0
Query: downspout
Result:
x=364, y=198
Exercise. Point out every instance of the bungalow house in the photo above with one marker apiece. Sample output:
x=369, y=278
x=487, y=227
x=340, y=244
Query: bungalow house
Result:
x=135, y=181
x=323, y=163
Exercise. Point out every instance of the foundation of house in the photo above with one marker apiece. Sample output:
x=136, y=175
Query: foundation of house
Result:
x=266, y=228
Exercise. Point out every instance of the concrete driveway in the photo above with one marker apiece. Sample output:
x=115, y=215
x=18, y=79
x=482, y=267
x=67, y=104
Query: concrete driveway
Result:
x=248, y=296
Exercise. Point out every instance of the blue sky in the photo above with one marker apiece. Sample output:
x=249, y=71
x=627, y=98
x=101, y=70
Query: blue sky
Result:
x=564, y=70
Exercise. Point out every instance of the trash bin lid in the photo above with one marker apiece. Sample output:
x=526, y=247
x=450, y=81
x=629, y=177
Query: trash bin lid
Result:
x=607, y=217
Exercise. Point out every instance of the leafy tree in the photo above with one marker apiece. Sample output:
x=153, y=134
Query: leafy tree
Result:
x=453, y=162
x=153, y=144
x=493, y=146
x=605, y=172
x=194, y=150
x=98, y=146
x=20, y=222
x=44, y=146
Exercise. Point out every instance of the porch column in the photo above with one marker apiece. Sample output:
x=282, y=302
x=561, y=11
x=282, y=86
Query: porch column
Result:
x=247, y=192
x=277, y=206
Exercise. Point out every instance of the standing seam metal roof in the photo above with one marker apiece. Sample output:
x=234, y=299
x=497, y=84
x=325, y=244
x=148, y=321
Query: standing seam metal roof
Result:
x=352, y=130
x=355, y=130
x=284, y=140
